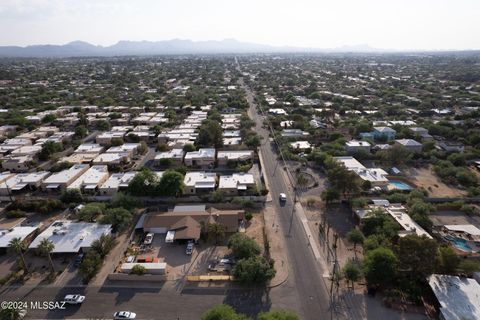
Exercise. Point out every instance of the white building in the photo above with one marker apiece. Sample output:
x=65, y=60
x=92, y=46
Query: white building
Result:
x=224, y=157
x=175, y=156
x=204, y=157
x=93, y=178
x=23, y=181
x=300, y=146
x=72, y=237
x=376, y=176
x=62, y=179
x=236, y=182
x=354, y=146
x=116, y=182
x=16, y=232
x=199, y=182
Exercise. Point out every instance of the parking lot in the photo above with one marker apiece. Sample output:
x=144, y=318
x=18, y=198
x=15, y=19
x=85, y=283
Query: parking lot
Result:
x=180, y=264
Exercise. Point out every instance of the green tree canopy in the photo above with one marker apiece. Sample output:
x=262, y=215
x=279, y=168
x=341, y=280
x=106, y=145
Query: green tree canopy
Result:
x=417, y=256
x=243, y=246
x=253, y=270
x=380, y=266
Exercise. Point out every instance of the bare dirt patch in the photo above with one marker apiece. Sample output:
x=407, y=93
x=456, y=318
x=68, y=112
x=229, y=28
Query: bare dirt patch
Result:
x=254, y=229
x=426, y=178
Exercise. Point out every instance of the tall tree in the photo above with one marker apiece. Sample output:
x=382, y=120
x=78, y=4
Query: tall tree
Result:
x=216, y=231
x=351, y=272
x=417, y=256
x=17, y=246
x=380, y=266
x=45, y=248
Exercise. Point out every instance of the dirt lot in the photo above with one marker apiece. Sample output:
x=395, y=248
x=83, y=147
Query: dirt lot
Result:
x=426, y=178
x=453, y=217
x=254, y=229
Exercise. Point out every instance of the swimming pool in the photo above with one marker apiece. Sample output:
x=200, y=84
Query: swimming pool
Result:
x=459, y=243
x=399, y=185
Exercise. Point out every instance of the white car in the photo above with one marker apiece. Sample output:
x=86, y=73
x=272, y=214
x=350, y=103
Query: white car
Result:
x=74, y=299
x=121, y=315
x=283, y=197
x=148, y=238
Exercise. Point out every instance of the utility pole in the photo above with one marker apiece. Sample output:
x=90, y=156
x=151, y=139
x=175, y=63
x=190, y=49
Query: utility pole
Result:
x=334, y=279
x=293, y=209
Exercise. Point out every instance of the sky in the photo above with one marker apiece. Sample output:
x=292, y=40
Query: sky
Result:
x=385, y=24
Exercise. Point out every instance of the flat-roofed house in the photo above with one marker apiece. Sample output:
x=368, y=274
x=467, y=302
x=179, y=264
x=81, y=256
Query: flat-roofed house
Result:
x=204, y=158
x=116, y=182
x=236, y=183
x=23, y=181
x=91, y=179
x=18, y=163
x=174, y=156
x=62, y=179
x=72, y=237
x=354, y=146
x=376, y=176
x=113, y=160
x=199, y=182
x=234, y=156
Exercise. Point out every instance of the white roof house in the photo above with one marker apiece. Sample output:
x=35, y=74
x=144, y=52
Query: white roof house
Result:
x=197, y=181
x=459, y=298
x=357, y=145
x=300, y=145
x=234, y=155
x=236, y=181
x=71, y=237
x=64, y=178
x=376, y=176
x=115, y=158
x=116, y=182
x=89, y=148
x=277, y=111
x=27, y=150
x=91, y=179
x=202, y=157
x=22, y=180
x=131, y=148
x=16, y=232
x=174, y=154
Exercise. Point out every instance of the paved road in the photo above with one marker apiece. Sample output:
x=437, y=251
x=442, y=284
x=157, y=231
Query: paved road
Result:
x=305, y=270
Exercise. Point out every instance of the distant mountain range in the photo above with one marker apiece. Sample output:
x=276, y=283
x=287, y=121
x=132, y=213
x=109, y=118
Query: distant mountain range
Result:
x=175, y=46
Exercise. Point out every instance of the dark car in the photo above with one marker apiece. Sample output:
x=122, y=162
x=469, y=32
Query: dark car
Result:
x=78, y=260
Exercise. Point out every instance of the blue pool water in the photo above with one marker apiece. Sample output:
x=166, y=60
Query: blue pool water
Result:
x=460, y=244
x=399, y=185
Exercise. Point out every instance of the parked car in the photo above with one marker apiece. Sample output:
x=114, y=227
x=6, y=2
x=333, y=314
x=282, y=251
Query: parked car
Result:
x=149, y=238
x=189, y=249
x=283, y=197
x=122, y=315
x=74, y=299
x=78, y=260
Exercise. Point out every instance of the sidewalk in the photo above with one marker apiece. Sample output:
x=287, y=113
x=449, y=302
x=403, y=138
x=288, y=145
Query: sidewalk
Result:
x=276, y=241
x=275, y=236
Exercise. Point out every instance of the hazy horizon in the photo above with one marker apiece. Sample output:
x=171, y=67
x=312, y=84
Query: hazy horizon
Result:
x=409, y=25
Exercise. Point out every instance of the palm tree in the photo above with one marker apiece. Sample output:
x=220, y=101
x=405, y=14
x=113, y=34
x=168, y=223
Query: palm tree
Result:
x=11, y=314
x=216, y=231
x=45, y=248
x=18, y=246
